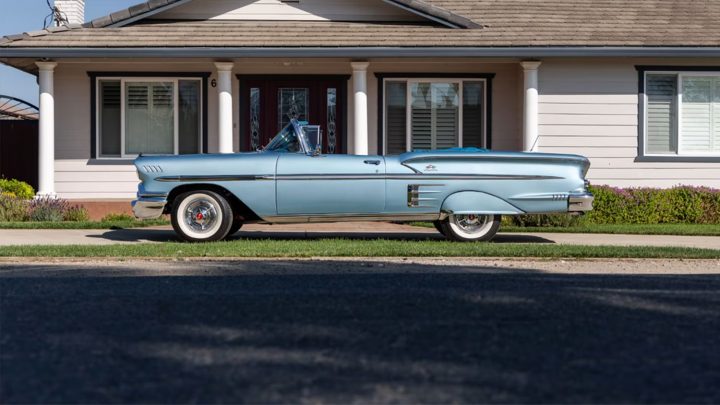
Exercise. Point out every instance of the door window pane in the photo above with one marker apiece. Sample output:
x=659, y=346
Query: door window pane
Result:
x=396, y=117
x=189, y=116
x=149, y=118
x=255, y=118
x=434, y=115
x=110, y=117
x=700, y=114
x=473, y=114
x=331, y=120
x=292, y=103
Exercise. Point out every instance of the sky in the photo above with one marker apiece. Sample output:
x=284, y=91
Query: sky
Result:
x=27, y=15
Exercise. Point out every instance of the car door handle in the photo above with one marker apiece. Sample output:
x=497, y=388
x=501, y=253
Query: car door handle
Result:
x=372, y=162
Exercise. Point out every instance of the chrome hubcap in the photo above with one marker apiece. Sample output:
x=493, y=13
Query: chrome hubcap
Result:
x=471, y=223
x=200, y=215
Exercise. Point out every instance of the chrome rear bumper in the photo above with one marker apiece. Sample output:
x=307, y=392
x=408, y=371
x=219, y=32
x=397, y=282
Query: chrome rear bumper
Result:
x=580, y=202
x=149, y=207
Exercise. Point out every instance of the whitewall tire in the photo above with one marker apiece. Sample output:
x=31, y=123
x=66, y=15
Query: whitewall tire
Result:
x=471, y=227
x=201, y=216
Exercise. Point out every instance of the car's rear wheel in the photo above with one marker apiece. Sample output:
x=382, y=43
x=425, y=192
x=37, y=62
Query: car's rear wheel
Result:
x=201, y=216
x=471, y=227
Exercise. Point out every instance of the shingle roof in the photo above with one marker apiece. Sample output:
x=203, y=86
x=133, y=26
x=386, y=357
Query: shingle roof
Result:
x=511, y=23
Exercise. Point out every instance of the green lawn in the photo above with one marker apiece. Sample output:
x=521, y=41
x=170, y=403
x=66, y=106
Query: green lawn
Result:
x=84, y=224
x=657, y=229
x=357, y=248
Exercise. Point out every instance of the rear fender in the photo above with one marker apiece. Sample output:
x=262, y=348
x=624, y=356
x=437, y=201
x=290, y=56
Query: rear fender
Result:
x=475, y=202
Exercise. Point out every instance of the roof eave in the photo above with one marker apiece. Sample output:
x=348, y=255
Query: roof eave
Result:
x=363, y=52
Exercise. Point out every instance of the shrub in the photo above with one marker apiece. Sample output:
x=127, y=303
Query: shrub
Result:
x=18, y=188
x=117, y=217
x=678, y=205
x=76, y=213
x=48, y=209
x=13, y=209
x=682, y=204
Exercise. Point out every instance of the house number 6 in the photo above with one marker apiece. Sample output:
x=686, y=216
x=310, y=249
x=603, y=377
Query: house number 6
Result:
x=213, y=83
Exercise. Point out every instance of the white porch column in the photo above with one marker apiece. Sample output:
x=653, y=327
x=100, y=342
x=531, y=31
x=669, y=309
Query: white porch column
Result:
x=46, y=144
x=225, y=107
x=530, y=131
x=361, y=107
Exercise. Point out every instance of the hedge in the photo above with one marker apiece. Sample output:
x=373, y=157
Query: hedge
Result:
x=678, y=205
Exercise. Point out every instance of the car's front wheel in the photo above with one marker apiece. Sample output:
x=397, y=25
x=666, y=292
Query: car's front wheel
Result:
x=236, y=225
x=201, y=216
x=471, y=227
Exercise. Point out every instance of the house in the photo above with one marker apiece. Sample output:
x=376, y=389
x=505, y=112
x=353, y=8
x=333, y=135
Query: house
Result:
x=635, y=86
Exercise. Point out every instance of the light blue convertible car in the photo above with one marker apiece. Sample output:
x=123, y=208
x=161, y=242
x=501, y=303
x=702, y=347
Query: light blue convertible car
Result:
x=463, y=191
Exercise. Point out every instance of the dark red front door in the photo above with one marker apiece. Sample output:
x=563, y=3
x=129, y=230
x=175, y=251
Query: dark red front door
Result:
x=268, y=103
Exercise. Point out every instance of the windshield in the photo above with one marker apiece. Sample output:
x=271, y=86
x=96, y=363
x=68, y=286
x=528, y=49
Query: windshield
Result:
x=285, y=141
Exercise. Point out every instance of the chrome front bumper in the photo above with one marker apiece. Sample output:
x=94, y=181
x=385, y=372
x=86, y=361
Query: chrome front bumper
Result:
x=580, y=202
x=149, y=207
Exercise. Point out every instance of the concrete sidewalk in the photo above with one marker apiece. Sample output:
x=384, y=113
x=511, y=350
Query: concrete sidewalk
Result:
x=357, y=230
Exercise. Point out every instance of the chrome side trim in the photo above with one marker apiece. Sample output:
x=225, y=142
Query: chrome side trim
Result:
x=415, y=195
x=414, y=177
x=214, y=178
x=319, y=218
x=541, y=197
x=379, y=176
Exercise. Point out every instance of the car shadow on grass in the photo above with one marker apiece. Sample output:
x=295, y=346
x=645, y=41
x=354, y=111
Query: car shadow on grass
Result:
x=279, y=331
x=163, y=235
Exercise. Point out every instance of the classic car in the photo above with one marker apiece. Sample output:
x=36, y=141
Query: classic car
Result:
x=464, y=191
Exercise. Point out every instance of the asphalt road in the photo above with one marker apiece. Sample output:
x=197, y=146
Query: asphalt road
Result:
x=423, y=331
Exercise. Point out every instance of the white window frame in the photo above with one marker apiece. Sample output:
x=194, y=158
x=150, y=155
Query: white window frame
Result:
x=408, y=105
x=679, y=100
x=176, y=112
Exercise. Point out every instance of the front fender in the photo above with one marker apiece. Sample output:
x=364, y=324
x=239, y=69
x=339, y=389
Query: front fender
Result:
x=475, y=202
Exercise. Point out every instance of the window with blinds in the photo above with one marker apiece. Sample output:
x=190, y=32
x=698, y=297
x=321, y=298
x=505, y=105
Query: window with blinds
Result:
x=110, y=116
x=700, y=119
x=437, y=114
x=661, y=117
x=149, y=117
x=682, y=114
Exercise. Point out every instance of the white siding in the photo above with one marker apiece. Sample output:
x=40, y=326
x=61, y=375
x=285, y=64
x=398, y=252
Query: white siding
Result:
x=77, y=176
x=591, y=108
x=314, y=10
x=80, y=177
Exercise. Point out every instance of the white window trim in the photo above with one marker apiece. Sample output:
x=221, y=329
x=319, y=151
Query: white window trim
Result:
x=680, y=75
x=408, y=105
x=176, y=112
